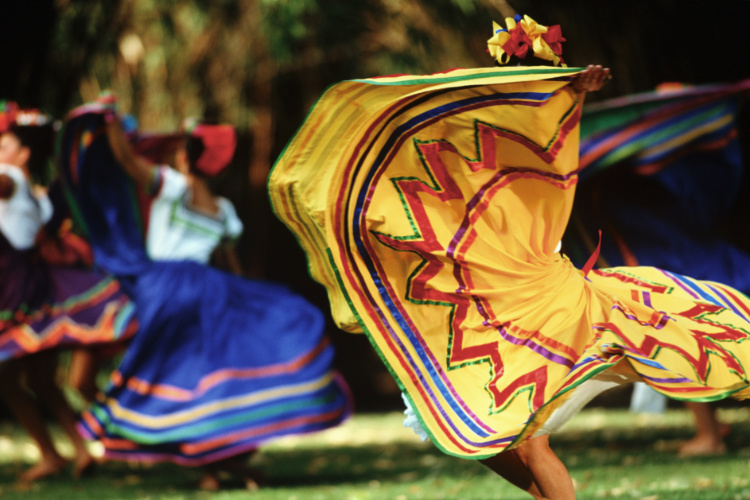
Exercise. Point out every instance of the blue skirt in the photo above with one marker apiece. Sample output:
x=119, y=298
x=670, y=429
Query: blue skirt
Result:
x=221, y=364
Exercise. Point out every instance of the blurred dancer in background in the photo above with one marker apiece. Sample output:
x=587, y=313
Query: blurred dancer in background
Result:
x=221, y=363
x=45, y=305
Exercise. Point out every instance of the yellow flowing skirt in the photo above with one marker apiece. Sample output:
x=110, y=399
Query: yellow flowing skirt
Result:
x=430, y=208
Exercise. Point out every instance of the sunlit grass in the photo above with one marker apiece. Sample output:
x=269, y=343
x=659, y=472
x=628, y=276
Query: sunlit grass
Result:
x=610, y=453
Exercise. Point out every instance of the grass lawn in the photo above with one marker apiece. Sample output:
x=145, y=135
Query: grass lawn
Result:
x=610, y=453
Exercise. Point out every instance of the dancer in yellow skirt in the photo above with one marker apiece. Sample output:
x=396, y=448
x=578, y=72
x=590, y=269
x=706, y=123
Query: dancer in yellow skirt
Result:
x=431, y=208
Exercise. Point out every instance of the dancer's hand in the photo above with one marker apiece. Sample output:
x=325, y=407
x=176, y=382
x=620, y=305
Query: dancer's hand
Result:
x=590, y=79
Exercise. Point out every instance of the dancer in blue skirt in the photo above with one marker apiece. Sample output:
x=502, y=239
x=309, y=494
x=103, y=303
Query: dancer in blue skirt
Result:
x=222, y=363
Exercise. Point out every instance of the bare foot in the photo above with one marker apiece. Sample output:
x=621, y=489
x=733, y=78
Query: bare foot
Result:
x=209, y=482
x=45, y=468
x=701, y=446
x=84, y=465
x=254, y=479
x=251, y=484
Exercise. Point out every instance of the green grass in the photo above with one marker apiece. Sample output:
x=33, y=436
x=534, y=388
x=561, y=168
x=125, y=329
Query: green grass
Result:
x=610, y=454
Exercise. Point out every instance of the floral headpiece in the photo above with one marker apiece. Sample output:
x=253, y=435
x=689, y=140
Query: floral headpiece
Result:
x=8, y=110
x=31, y=118
x=11, y=115
x=524, y=35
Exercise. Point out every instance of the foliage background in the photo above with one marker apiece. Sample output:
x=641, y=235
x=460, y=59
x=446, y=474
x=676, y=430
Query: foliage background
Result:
x=261, y=64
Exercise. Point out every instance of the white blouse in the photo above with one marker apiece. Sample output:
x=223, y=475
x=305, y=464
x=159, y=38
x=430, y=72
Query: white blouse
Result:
x=25, y=212
x=177, y=231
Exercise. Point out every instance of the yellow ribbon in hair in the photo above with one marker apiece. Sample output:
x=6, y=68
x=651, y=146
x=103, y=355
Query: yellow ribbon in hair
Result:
x=501, y=35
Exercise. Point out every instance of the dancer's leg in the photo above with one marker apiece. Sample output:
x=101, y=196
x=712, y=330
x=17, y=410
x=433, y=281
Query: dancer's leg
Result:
x=534, y=468
x=709, y=437
x=508, y=466
x=42, y=381
x=548, y=472
x=26, y=410
x=84, y=365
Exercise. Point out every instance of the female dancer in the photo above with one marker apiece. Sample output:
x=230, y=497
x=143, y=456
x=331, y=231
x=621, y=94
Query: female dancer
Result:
x=221, y=363
x=431, y=206
x=44, y=307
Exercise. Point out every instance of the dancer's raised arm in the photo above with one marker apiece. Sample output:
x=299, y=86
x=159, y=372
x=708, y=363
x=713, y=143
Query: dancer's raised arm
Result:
x=137, y=167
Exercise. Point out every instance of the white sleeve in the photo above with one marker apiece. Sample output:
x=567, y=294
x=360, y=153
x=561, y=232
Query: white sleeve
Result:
x=171, y=185
x=25, y=212
x=46, y=210
x=232, y=224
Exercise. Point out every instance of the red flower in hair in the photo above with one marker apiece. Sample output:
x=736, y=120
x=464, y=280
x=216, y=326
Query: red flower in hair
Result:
x=554, y=39
x=5, y=122
x=518, y=44
x=8, y=112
